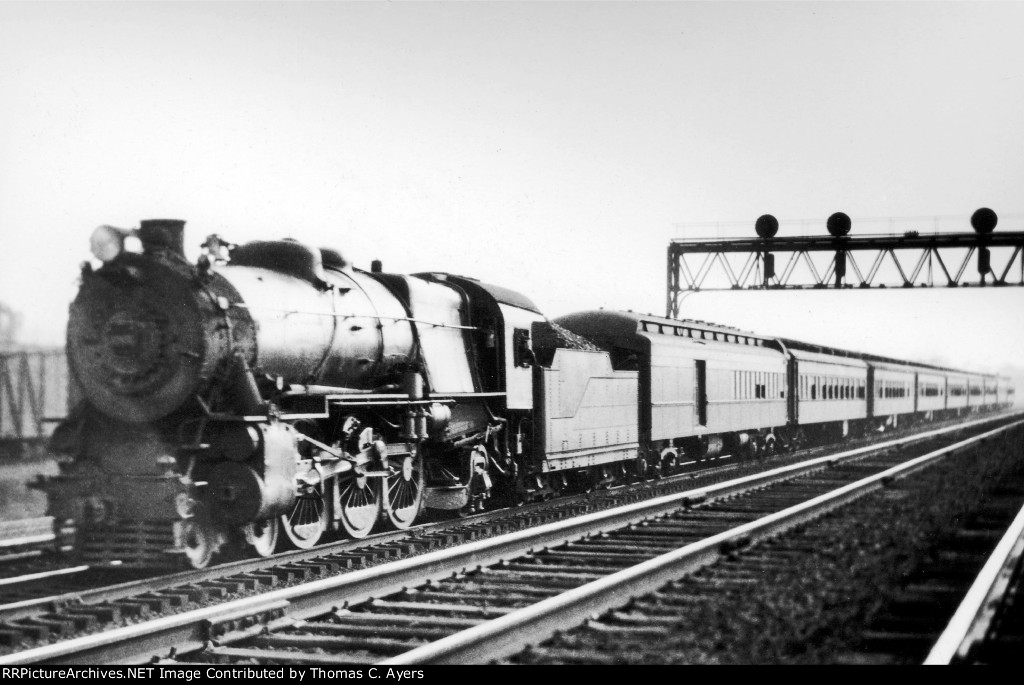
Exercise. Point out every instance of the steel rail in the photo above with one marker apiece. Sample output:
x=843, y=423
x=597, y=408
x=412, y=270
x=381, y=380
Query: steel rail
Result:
x=27, y=540
x=512, y=632
x=26, y=532
x=973, y=617
x=189, y=631
x=43, y=575
x=28, y=608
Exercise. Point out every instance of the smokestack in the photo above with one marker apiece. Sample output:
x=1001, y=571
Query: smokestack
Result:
x=163, y=234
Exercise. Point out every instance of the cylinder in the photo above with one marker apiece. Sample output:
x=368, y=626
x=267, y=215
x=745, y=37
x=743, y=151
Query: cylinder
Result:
x=258, y=489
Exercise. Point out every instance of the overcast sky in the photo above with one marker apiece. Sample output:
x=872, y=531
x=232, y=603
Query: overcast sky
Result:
x=554, y=148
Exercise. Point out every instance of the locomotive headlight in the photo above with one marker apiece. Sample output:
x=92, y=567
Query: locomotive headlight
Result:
x=107, y=242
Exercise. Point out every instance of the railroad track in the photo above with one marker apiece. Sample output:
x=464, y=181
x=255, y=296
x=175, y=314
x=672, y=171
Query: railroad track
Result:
x=488, y=598
x=28, y=600
x=861, y=585
x=25, y=539
x=988, y=626
x=51, y=603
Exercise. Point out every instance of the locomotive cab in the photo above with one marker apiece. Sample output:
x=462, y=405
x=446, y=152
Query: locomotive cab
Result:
x=502, y=340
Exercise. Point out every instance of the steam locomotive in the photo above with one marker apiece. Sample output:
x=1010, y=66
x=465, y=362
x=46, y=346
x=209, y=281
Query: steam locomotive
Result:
x=271, y=394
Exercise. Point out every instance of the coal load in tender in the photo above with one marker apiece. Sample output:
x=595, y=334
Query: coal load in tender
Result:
x=549, y=336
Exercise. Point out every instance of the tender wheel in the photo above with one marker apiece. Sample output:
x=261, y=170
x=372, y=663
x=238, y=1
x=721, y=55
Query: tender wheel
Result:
x=360, y=503
x=669, y=462
x=198, y=541
x=307, y=520
x=585, y=481
x=403, y=490
x=701, y=449
x=640, y=468
x=521, y=491
x=262, y=535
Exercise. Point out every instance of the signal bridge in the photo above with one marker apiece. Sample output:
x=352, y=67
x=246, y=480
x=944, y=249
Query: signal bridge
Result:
x=907, y=261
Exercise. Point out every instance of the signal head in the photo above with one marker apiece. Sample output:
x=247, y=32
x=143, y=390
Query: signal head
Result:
x=766, y=226
x=838, y=224
x=984, y=220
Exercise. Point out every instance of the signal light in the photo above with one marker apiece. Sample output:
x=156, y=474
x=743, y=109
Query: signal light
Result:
x=838, y=224
x=769, y=266
x=984, y=220
x=766, y=226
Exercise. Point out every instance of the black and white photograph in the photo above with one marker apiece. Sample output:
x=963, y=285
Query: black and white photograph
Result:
x=347, y=340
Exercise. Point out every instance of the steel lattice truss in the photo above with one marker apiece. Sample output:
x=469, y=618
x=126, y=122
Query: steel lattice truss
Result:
x=941, y=260
x=32, y=389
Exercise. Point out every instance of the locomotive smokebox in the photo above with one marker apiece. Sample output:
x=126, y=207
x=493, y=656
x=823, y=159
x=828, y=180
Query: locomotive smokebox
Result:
x=163, y=235
x=145, y=336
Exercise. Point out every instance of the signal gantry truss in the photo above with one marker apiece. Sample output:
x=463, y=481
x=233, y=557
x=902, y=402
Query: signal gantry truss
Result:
x=907, y=261
x=33, y=391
